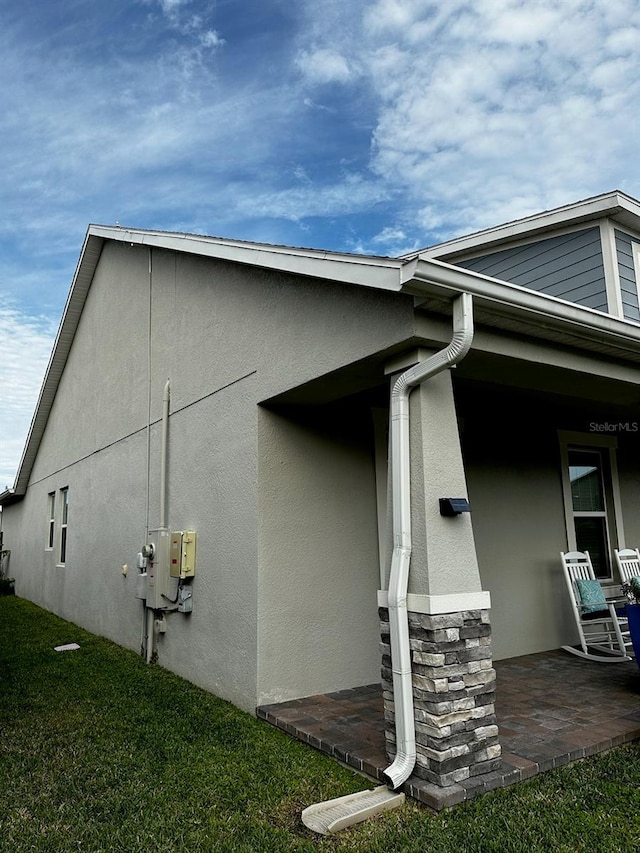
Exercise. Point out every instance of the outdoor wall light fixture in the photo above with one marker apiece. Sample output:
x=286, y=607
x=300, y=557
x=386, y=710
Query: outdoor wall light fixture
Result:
x=454, y=506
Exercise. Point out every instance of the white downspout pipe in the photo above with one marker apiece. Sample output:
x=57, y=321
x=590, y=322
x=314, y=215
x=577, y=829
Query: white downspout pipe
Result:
x=166, y=397
x=399, y=771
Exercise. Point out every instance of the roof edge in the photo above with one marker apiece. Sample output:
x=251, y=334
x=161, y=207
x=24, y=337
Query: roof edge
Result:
x=423, y=274
x=381, y=272
x=596, y=207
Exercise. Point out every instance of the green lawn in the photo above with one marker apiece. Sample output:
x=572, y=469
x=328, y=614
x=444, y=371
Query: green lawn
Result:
x=99, y=752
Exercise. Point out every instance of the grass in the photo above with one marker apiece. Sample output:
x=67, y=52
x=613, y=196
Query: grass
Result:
x=99, y=752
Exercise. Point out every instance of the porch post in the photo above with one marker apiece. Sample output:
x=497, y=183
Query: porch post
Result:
x=449, y=627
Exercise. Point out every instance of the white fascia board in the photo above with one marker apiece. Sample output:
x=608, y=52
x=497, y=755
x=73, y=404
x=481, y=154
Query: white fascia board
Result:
x=363, y=270
x=607, y=204
x=430, y=277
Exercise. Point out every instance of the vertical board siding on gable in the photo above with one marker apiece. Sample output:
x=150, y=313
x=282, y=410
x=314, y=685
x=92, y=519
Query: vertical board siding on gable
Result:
x=627, y=273
x=569, y=266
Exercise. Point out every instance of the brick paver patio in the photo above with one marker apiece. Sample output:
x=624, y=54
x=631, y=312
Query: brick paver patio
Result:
x=552, y=709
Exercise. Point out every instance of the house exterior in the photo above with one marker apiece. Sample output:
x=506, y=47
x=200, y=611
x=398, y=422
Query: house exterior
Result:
x=240, y=394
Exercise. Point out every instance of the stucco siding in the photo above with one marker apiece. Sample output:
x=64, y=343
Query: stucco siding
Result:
x=319, y=573
x=627, y=275
x=104, y=528
x=103, y=390
x=569, y=266
x=283, y=499
x=226, y=337
x=290, y=329
x=511, y=447
x=629, y=477
x=516, y=501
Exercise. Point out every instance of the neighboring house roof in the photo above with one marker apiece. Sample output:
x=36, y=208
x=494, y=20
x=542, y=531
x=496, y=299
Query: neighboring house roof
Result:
x=498, y=303
x=615, y=205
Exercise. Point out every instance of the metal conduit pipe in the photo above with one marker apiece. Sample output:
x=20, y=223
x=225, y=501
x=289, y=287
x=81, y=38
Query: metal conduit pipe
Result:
x=399, y=771
x=166, y=396
x=150, y=614
x=150, y=637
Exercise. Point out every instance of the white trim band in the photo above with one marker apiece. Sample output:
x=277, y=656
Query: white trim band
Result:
x=436, y=604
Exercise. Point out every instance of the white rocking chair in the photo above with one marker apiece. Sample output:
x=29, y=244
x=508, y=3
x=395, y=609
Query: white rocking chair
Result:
x=604, y=635
x=628, y=563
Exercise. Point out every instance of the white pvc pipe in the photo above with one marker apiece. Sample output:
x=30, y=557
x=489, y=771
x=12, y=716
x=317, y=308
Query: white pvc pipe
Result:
x=399, y=771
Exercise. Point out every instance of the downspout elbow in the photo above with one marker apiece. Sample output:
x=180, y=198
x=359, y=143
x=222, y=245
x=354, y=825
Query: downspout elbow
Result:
x=397, y=773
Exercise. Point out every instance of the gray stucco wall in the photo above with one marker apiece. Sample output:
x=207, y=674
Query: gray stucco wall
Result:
x=318, y=627
x=569, y=266
x=516, y=500
x=284, y=502
x=629, y=474
x=227, y=338
x=512, y=456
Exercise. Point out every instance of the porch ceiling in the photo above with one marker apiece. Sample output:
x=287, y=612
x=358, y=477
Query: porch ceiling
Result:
x=499, y=370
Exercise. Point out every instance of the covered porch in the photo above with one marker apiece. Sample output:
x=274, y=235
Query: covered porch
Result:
x=551, y=710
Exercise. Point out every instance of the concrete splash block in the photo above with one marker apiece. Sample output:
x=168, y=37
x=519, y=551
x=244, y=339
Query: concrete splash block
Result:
x=333, y=815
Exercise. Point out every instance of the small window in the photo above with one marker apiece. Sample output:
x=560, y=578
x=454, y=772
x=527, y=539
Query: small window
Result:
x=64, y=518
x=591, y=497
x=52, y=520
x=586, y=475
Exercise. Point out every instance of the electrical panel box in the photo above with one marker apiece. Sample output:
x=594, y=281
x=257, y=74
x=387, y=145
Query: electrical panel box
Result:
x=183, y=554
x=158, y=568
x=141, y=585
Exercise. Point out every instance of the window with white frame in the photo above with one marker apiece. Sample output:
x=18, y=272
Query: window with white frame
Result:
x=51, y=532
x=591, y=497
x=64, y=519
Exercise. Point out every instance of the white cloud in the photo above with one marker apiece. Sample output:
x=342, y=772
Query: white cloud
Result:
x=188, y=56
x=389, y=234
x=170, y=7
x=211, y=38
x=514, y=105
x=353, y=193
x=395, y=16
x=487, y=111
x=25, y=346
x=624, y=40
x=323, y=65
x=393, y=241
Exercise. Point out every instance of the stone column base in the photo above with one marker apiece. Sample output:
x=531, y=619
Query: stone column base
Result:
x=453, y=695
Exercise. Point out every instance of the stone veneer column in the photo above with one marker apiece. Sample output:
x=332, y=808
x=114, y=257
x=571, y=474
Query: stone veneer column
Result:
x=453, y=693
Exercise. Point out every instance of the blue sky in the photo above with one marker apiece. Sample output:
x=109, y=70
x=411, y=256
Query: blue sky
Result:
x=376, y=127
